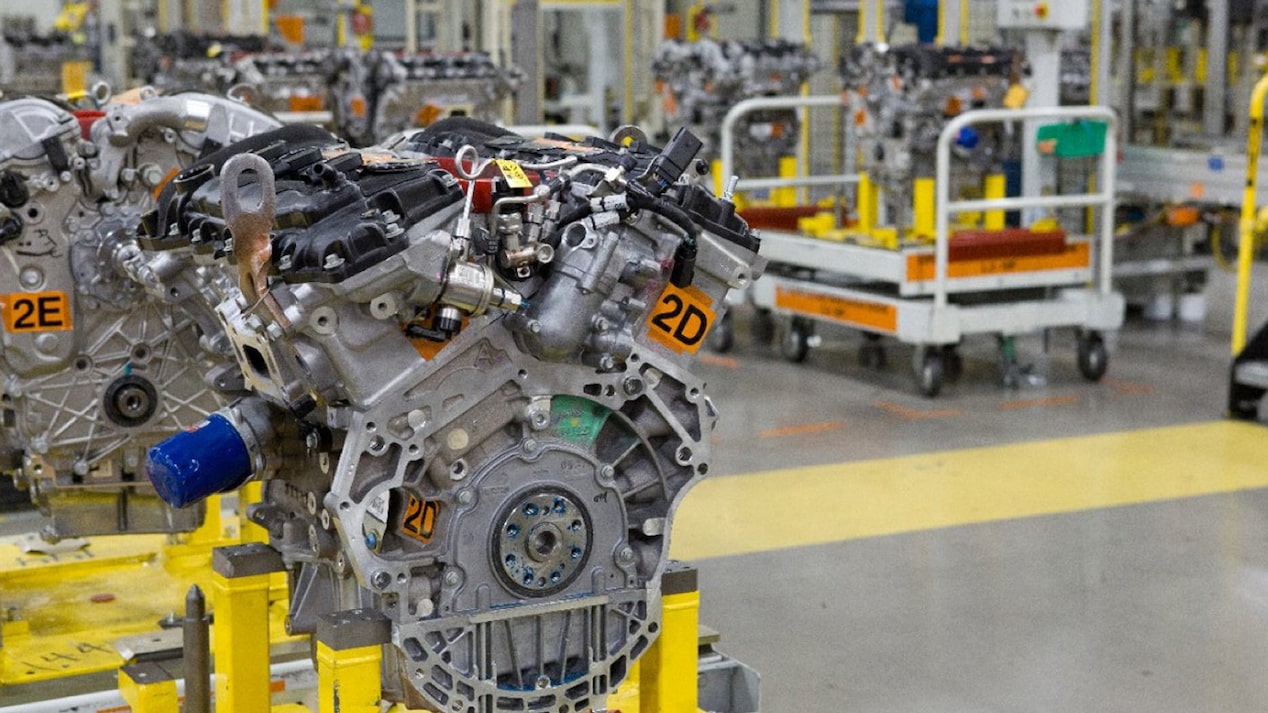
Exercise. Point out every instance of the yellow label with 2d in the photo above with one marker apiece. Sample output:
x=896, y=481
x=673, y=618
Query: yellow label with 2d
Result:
x=420, y=518
x=513, y=173
x=681, y=318
x=35, y=312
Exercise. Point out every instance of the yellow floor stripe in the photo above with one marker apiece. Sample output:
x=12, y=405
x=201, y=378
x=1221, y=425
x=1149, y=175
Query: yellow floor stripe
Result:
x=806, y=506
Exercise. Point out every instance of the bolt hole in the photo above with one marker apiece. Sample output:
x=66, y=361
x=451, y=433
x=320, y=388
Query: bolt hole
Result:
x=545, y=542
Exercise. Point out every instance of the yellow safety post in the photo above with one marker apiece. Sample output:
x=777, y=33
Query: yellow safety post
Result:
x=868, y=203
x=923, y=205
x=964, y=23
x=349, y=657
x=75, y=77
x=1246, y=228
x=669, y=669
x=240, y=599
x=147, y=688
x=994, y=188
x=785, y=197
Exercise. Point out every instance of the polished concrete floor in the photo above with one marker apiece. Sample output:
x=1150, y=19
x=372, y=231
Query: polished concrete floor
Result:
x=1063, y=546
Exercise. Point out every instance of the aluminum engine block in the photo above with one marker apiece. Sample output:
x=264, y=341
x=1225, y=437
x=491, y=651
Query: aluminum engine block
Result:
x=473, y=402
x=93, y=368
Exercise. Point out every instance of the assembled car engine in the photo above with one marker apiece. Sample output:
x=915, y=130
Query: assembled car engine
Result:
x=902, y=97
x=415, y=90
x=473, y=403
x=700, y=82
x=93, y=369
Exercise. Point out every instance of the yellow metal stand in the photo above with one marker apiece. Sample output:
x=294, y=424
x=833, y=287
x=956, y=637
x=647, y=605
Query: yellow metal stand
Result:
x=240, y=599
x=666, y=678
x=923, y=205
x=868, y=203
x=1246, y=228
x=785, y=197
x=668, y=671
x=148, y=688
x=994, y=188
x=349, y=657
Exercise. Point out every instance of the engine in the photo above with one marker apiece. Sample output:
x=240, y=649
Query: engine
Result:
x=415, y=90
x=472, y=397
x=903, y=96
x=700, y=82
x=94, y=368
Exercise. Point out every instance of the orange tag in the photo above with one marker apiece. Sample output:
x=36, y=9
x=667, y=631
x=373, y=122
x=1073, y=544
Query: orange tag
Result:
x=356, y=107
x=681, y=318
x=303, y=103
x=35, y=312
x=420, y=518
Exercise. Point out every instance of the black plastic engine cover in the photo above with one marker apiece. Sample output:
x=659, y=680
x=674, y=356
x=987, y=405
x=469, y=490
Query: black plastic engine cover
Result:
x=335, y=214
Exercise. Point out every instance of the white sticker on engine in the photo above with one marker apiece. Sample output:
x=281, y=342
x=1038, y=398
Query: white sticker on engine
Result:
x=378, y=507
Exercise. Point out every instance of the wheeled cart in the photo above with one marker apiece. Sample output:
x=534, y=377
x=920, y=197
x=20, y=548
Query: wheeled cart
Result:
x=932, y=294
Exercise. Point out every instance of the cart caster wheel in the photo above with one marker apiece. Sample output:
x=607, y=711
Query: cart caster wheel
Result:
x=796, y=342
x=930, y=372
x=722, y=337
x=952, y=362
x=763, y=327
x=872, y=353
x=1093, y=358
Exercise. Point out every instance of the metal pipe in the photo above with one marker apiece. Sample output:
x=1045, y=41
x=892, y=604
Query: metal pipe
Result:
x=1216, y=69
x=727, y=138
x=1017, y=203
x=411, y=26
x=1127, y=67
x=197, y=653
x=1246, y=228
x=754, y=184
x=943, y=180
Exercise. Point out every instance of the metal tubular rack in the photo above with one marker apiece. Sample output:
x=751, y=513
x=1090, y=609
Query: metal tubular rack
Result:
x=919, y=295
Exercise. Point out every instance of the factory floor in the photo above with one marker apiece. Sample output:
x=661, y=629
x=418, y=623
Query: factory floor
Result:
x=1063, y=546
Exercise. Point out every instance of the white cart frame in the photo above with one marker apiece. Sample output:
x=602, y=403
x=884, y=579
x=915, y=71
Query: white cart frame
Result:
x=877, y=291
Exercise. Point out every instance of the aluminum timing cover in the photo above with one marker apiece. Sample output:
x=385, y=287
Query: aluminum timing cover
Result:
x=500, y=486
x=93, y=368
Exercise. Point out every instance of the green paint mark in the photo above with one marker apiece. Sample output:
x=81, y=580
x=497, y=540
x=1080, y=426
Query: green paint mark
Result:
x=577, y=420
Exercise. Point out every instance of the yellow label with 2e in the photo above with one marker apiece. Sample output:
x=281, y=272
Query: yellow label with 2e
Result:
x=420, y=518
x=35, y=312
x=513, y=173
x=681, y=318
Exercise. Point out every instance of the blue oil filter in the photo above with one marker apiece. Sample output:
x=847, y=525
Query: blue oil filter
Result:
x=194, y=464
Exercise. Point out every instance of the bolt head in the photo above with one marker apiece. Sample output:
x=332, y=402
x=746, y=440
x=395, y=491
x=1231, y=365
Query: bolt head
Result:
x=381, y=579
